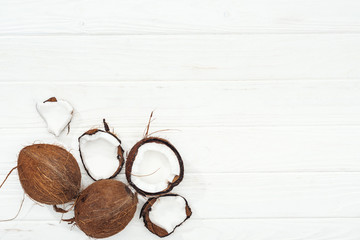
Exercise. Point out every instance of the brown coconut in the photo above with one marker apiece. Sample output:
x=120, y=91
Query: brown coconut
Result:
x=105, y=208
x=49, y=174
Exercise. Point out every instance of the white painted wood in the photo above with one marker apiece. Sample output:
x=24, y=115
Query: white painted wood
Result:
x=224, y=150
x=191, y=104
x=265, y=94
x=238, y=195
x=312, y=229
x=199, y=57
x=218, y=229
x=174, y=17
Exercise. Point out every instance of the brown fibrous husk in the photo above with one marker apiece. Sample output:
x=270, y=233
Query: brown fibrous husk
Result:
x=153, y=227
x=49, y=174
x=131, y=158
x=105, y=208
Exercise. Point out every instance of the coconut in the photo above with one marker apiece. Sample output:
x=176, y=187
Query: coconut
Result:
x=49, y=174
x=101, y=153
x=162, y=215
x=154, y=166
x=105, y=208
x=56, y=113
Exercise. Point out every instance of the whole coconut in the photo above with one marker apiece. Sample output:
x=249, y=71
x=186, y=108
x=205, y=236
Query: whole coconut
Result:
x=105, y=208
x=49, y=174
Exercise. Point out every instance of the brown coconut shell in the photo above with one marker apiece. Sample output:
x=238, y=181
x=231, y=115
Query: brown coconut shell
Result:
x=105, y=208
x=49, y=174
x=153, y=227
x=131, y=158
x=120, y=152
x=52, y=99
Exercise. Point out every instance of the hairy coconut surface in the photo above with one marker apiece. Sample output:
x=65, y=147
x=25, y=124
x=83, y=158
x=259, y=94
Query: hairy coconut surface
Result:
x=101, y=153
x=105, y=208
x=56, y=113
x=49, y=174
x=162, y=215
x=154, y=166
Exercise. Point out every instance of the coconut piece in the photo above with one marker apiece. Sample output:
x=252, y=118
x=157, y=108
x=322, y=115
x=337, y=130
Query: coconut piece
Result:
x=56, y=113
x=101, y=153
x=162, y=215
x=49, y=174
x=105, y=208
x=154, y=166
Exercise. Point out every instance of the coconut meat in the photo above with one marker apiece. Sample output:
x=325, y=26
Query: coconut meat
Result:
x=154, y=167
x=168, y=212
x=99, y=152
x=57, y=115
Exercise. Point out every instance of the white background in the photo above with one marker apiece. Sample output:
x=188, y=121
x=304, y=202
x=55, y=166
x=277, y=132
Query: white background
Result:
x=265, y=95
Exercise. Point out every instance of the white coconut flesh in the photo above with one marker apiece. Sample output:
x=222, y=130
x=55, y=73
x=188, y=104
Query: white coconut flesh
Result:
x=154, y=167
x=57, y=115
x=99, y=153
x=168, y=212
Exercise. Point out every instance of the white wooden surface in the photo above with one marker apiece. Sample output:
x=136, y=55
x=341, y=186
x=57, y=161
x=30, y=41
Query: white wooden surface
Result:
x=264, y=97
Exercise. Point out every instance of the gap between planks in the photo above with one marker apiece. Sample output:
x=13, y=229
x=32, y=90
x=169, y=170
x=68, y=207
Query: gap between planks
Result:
x=118, y=82
x=178, y=34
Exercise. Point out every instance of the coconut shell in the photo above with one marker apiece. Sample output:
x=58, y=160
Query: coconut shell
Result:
x=120, y=152
x=49, y=174
x=52, y=99
x=153, y=227
x=105, y=208
x=131, y=158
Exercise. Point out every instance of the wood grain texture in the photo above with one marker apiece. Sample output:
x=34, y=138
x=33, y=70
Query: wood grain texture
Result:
x=191, y=104
x=282, y=229
x=178, y=17
x=263, y=96
x=297, y=126
x=179, y=58
x=205, y=150
x=240, y=196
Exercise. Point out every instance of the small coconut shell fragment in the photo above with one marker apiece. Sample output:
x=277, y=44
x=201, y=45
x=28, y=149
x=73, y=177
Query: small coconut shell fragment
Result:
x=166, y=184
x=154, y=227
x=49, y=174
x=105, y=208
x=101, y=153
x=56, y=113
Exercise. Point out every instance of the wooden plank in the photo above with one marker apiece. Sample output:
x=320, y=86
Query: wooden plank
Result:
x=194, y=104
x=272, y=195
x=224, y=150
x=224, y=229
x=178, y=17
x=179, y=58
x=228, y=196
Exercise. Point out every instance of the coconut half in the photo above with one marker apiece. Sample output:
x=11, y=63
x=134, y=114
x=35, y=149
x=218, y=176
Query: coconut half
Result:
x=101, y=153
x=154, y=166
x=56, y=113
x=163, y=214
